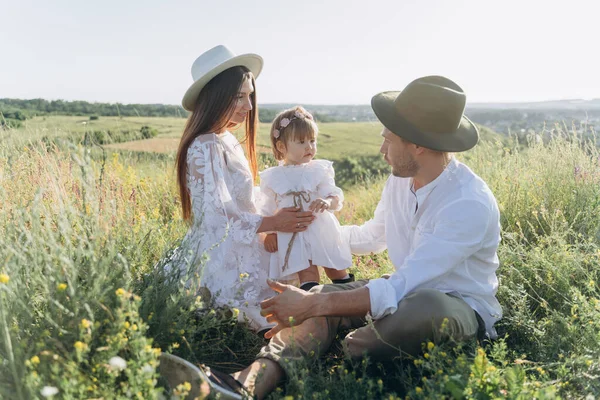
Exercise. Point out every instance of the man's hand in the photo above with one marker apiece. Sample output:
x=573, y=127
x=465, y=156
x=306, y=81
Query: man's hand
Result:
x=271, y=243
x=291, y=306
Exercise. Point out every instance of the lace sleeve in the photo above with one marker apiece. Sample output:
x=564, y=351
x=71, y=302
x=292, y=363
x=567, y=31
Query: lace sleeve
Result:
x=211, y=198
x=327, y=187
x=266, y=201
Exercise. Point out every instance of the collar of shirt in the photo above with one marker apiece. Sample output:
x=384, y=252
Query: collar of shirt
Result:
x=422, y=193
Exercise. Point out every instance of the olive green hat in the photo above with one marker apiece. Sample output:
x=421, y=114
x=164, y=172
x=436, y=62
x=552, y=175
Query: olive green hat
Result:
x=429, y=112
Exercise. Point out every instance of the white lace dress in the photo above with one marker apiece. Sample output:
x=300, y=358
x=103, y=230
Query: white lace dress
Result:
x=222, y=239
x=321, y=242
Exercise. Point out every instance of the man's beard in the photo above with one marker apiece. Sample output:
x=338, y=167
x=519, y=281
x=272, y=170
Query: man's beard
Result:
x=406, y=169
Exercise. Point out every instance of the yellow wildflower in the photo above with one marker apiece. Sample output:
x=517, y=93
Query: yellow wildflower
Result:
x=35, y=360
x=236, y=312
x=4, y=278
x=430, y=346
x=175, y=345
x=418, y=390
x=120, y=292
x=61, y=287
x=85, y=324
x=426, y=355
x=80, y=346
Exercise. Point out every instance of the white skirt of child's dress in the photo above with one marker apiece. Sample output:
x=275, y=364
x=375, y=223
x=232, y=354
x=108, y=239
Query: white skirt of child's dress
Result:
x=321, y=243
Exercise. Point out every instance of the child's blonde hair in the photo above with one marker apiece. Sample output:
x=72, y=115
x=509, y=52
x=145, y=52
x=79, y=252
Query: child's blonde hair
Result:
x=293, y=124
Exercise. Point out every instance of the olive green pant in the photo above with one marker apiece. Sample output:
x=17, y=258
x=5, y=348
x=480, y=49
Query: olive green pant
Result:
x=418, y=319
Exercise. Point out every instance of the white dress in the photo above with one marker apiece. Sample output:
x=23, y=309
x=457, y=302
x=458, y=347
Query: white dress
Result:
x=222, y=244
x=321, y=242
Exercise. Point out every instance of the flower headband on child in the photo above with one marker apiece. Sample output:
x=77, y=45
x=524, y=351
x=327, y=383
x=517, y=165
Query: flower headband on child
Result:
x=286, y=121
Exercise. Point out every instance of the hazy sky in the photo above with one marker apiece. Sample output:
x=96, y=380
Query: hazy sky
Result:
x=315, y=51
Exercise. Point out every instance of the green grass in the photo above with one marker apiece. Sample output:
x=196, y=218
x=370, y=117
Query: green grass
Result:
x=337, y=140
x=76, y=227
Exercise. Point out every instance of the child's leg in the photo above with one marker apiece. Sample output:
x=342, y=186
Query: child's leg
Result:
x=309, y=277
x=339, y=275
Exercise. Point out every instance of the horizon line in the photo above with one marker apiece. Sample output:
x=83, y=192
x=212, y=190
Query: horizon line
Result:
x=478, y=103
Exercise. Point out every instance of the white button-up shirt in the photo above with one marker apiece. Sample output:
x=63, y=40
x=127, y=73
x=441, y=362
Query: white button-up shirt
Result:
x=444, y=236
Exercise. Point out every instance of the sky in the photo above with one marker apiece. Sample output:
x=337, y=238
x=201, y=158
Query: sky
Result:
x=315, y=51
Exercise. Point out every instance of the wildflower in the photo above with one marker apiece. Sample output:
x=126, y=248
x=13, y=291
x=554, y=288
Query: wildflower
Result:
x=175, y=345
x=35, y=360
x=120, y=292
x=443, y=354
x=181, y=332
x=85, y=324
x=49, y=391
x=418, y=390
x=80, y=346
x=61, y=287
x=4, y=278
x=426, y=355
x=117, y=363
x=418, y=362
x=430, y=346
x=147, y=369
x=236, y=312
x=445, y=322
x=126, y=325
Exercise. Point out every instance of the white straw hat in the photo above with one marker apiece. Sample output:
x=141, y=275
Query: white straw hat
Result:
x=211, y=63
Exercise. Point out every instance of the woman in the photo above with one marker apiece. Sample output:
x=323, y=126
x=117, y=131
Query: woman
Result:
x=216, y=185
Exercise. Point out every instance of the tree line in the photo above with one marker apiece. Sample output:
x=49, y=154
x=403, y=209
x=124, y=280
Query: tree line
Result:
x=20, y=110
x=38, y=107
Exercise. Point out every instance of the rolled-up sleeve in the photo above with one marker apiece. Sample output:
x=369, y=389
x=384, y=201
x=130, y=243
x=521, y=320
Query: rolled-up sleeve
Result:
x=458, y=233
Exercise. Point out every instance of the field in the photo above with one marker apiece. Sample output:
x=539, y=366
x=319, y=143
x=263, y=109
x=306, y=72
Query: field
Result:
x=337, y=140
x=85, y=307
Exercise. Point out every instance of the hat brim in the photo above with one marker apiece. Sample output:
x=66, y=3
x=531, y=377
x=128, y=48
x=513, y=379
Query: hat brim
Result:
x=464, y=138
x=253, y=62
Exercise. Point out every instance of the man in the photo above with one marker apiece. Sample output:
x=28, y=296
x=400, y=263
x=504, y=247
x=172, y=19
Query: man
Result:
x=440, y=224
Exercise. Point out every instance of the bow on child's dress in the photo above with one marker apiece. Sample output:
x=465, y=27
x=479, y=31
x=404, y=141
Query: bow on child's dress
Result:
x=298, y=196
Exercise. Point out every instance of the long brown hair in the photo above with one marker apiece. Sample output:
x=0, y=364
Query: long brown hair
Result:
x=214, y=107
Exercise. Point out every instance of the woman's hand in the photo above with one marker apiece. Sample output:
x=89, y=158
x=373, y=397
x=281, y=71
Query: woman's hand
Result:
x=320, y=205
x=292, y=220
x=271, y=243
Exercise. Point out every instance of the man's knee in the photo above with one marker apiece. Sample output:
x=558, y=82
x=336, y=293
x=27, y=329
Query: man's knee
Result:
x=438, y=315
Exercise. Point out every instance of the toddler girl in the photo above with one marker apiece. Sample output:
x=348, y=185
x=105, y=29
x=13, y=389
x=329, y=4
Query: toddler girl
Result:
x=309, y=184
